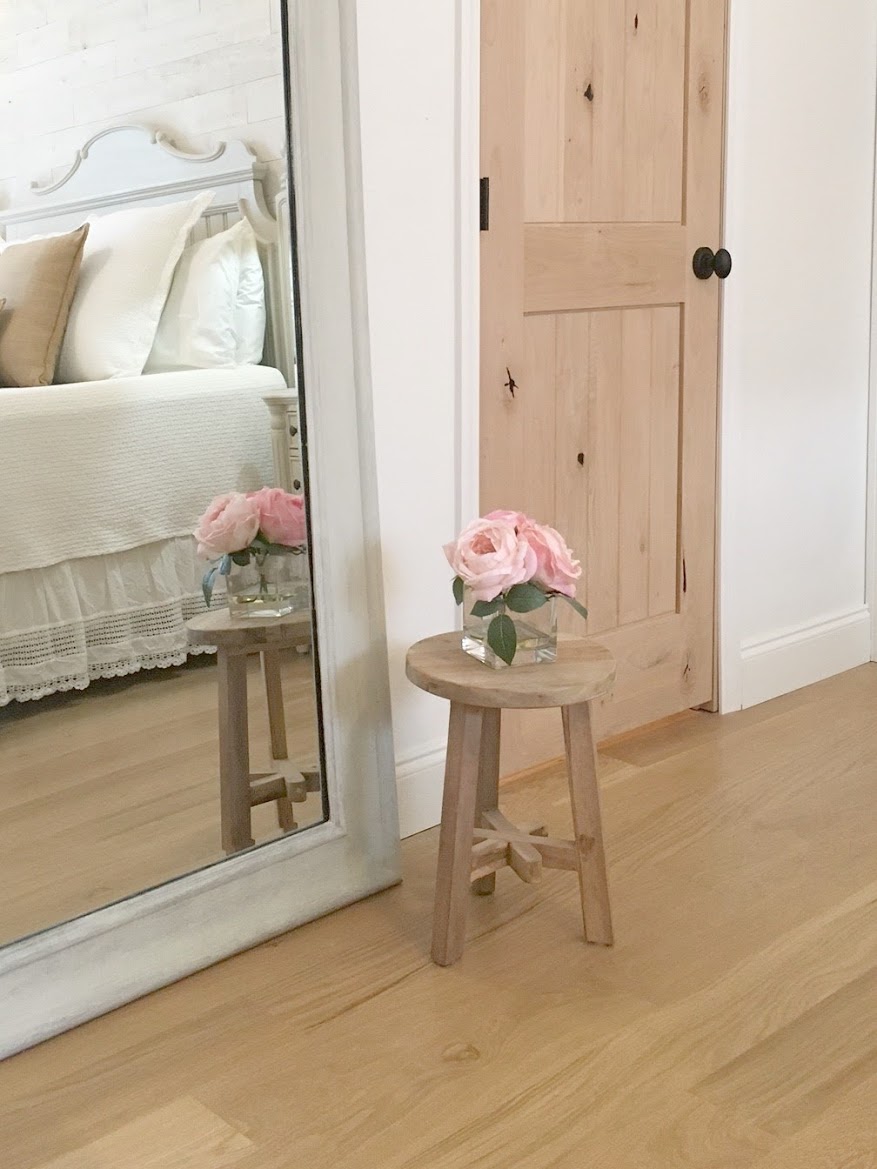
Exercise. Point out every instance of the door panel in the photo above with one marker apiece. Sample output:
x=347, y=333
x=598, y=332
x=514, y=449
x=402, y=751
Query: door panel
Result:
x=623, y=161
x=602, y=126
x=595, y=266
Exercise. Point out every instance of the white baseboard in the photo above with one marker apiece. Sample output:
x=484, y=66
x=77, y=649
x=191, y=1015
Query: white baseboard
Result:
x=798, y=657
x=769, y=667
x=419, y=781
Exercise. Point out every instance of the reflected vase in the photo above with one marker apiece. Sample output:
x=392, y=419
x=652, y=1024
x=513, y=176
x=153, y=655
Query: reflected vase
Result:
x=536, y=634
x=271, y=584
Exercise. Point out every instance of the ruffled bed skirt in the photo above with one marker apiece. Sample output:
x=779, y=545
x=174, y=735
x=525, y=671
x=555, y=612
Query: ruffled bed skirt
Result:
x=98, y=617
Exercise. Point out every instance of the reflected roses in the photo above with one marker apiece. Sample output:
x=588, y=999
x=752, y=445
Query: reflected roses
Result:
x=281, y=516
x=259, y=527
x=229, y=524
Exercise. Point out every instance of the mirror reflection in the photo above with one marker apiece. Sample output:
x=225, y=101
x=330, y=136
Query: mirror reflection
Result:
x=158, y=710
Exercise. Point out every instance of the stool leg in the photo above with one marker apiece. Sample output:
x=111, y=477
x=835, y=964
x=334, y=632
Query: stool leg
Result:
x=234, y=752
x=488, y=784
x=455, y=841
x=274, y=694
x=585, y=798
x=277, y=729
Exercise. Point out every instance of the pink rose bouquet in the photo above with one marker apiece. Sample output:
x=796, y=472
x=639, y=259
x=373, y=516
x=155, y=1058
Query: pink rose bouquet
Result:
x=510, y=562
x=237, y=528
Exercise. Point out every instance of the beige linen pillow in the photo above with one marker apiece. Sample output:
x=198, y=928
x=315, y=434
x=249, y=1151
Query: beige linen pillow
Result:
x=38, y=277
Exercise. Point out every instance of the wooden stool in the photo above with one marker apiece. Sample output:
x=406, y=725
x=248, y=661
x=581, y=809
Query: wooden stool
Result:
x=235, y=639
x=476, y=839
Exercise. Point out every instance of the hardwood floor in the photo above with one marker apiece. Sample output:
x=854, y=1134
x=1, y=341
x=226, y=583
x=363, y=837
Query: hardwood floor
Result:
x=732, y=1025
x=114, y=789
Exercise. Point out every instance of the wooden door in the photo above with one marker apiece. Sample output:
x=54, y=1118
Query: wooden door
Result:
x=602, y=137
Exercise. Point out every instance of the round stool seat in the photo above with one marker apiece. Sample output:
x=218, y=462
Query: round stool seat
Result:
x=219, y=628
x=582, y=672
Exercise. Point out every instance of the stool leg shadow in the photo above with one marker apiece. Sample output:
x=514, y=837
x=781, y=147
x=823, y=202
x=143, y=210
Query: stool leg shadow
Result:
x=488, y=785
x=453, y=876
x=581, y=757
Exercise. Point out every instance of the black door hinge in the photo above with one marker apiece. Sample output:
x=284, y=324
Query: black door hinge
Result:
x=485, y=204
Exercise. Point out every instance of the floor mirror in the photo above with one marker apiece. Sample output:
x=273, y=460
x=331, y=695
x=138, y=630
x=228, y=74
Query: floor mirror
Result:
x=195, y=742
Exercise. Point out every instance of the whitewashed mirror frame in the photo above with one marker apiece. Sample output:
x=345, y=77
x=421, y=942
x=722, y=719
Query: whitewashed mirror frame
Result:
x=75, y=971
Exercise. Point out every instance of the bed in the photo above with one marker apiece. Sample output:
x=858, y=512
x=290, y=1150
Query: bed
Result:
x=103, y=481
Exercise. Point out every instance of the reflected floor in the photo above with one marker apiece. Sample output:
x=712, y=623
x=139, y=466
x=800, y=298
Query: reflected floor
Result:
x=111, y=790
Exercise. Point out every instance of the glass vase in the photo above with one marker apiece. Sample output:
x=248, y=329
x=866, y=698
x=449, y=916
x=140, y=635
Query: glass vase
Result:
x=536, y=634
x=271, y=584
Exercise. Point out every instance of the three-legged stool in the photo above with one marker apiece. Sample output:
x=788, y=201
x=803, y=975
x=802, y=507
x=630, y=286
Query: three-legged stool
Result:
x=476, y=839
x=235, y=639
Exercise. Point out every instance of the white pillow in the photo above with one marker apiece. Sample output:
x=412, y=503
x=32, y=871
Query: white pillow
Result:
x=127, y=268
x=250, y=311
x=215, y=311
x=197, y=327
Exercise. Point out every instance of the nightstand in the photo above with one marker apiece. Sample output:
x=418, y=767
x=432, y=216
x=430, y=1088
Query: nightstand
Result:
x=286, y=439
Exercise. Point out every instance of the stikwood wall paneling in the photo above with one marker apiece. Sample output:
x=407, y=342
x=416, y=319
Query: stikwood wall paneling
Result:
x=204, y=70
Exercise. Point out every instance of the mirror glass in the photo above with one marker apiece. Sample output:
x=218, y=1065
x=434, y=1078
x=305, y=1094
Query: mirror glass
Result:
x=158, y=705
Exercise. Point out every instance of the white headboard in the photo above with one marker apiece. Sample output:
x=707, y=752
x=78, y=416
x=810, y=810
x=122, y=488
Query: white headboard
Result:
x=124, y=166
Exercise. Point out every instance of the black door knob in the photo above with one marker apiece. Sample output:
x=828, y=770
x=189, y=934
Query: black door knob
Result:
x=708, y=263
x=723, y=264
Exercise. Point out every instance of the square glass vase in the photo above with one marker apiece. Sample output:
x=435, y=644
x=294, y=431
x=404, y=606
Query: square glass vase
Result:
x=536, y=633
x=272, y=584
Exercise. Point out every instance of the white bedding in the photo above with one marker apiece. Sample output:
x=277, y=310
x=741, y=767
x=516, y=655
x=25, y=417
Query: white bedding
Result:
x=95, y=468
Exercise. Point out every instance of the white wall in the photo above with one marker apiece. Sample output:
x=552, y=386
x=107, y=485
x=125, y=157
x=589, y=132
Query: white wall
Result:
x=408, y=110
x=796, y=344
x=204, y=70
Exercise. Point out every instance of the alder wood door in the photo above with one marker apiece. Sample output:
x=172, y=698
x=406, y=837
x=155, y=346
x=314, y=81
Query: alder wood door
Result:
x=602, y=137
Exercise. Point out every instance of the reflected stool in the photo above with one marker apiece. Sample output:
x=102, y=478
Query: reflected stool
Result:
x=235, y=640
x=476, y=839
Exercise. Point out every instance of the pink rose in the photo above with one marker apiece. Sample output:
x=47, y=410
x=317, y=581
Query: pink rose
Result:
x=556, y=570
x=516, y=518
x=229, y=524
x=281, y=516
x=491, y=557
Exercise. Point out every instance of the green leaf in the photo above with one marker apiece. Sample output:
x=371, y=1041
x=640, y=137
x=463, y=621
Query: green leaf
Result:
x=262, y=544
x=486, y=608
x=225, y=565
x=580, y=609
x=207, y=584
x=457, y=586
x=241, y=559
x=276, y=549
x=502, y=637
x=524, y=598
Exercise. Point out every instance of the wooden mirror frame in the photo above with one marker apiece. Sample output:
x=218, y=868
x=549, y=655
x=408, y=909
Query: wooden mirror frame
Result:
x=77, y=970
